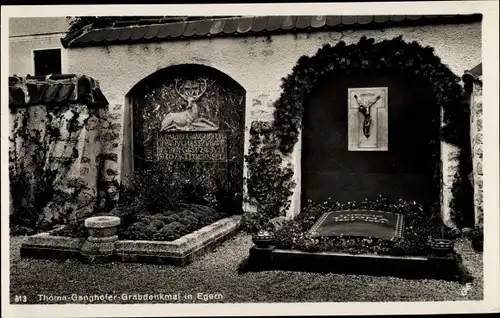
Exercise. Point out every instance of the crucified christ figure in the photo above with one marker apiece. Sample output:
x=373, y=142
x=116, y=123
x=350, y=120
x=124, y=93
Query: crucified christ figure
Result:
x=365, y=110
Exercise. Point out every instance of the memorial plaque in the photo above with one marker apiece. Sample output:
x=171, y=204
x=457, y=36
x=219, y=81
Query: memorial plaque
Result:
x=361, y=223
x=202, y=146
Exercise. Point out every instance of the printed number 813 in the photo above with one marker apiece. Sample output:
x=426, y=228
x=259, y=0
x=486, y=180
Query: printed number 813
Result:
x=20, y=299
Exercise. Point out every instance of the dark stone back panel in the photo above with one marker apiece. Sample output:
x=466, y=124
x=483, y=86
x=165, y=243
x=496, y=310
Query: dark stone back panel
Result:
x=404, y=171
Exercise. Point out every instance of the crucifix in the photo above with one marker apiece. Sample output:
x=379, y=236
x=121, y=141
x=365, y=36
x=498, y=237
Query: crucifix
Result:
x=367, y=122
x=365, y=110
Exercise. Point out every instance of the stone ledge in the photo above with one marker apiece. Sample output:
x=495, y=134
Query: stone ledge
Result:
x=412, y=267
x=179, y=252
x=183, y=246
x=44, y=245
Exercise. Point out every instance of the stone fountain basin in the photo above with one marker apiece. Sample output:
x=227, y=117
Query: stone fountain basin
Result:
x=102, y=226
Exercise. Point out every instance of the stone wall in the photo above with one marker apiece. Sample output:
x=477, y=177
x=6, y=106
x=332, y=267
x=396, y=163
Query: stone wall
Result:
x=258, y=64
x=111, y=140
x=477, y=150
x=55, y=142
x=450, y=161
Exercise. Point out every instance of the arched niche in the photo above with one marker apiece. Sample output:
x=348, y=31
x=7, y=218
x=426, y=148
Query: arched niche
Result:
x=450, y=147
x=187, y=124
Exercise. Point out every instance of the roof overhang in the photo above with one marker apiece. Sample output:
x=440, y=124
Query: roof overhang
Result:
x=56, y=90
x=472, y=76
x=151, y=30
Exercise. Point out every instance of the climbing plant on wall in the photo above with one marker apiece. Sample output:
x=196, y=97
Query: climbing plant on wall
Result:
x=393, y=55
x=36, y=174
x=269, y=184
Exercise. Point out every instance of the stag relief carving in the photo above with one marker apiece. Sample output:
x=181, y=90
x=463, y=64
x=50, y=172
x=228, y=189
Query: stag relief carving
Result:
x=188, y=119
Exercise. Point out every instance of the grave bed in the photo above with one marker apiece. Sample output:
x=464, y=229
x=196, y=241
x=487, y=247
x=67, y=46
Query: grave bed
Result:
x=179, y=252
x=398, y=247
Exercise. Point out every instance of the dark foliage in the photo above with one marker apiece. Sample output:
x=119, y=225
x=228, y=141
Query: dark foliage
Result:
x=254, y=222
x=269, y=184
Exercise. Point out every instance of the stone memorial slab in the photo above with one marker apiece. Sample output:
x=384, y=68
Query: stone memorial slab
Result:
x=202, y=146
x=360, y=223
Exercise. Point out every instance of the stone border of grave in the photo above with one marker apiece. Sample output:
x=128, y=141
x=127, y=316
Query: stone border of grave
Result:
x=412, y=267
x=179, y=252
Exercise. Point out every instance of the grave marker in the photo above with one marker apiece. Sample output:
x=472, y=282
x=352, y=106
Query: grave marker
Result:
x=361, y=223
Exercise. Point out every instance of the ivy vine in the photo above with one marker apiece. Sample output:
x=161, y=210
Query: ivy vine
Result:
x=270, y=183
x=393, y=55
x=35, y=173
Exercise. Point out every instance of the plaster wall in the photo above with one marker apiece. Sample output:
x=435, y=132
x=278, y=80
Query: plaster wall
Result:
x=258, y=64
x=37, y=25
x=28, y=34
x=21, y=58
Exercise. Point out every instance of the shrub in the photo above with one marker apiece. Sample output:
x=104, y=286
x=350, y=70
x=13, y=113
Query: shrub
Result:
x=166, y=218
x=177, y=228
x=193, y=221
x=253, y=222
x=164, y=234
x=140, y=231
x=129, y=207
x=156, y=222
x=198, y=209
x=145, y=218
x=176, y=217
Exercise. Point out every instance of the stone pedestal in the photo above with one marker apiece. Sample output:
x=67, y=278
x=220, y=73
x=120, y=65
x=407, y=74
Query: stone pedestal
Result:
x=100, y=245
x=261, y=257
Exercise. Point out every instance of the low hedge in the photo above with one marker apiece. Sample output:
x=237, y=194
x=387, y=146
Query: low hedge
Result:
x=166, y=226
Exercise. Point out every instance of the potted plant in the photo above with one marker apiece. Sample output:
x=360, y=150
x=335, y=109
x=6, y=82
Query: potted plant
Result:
x=262, y=238
x=440, y=246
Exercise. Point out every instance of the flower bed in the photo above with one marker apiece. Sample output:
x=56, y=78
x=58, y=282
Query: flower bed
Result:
x=420, y=225
x=418, y=228
x=167, y=226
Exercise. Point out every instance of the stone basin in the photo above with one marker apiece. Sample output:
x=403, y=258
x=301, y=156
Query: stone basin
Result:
x=102, y=226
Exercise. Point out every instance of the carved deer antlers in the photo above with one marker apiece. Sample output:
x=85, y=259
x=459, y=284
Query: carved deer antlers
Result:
x=190, y=94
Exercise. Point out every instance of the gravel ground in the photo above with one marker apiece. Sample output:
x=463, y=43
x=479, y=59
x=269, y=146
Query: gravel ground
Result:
x=216, y=274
